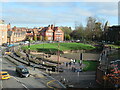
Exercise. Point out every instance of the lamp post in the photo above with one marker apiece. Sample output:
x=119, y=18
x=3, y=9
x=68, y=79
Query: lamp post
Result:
x=28, y=53
x=81, y=58
x=43, y=47
x=58, y=55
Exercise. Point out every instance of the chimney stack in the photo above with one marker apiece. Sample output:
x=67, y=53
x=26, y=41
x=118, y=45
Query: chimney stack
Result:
x=52, y=26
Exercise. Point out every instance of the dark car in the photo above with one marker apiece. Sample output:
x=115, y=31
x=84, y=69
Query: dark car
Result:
x=22, y=71
x=5, y=44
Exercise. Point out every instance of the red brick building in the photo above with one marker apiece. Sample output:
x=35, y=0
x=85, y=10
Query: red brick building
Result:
x=52, y=33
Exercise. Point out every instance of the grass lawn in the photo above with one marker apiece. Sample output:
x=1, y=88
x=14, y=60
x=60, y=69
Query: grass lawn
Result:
x=53, y=47
x=114, y=46
x=90, y=65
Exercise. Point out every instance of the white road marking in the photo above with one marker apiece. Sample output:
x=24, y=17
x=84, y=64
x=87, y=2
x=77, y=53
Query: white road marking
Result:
x=1, y=84
x=20, y=82
x=25, y=86
x=0, y=59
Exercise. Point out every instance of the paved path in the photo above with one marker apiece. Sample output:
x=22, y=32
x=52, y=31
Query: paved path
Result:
x=77, y=79
x=85, y=56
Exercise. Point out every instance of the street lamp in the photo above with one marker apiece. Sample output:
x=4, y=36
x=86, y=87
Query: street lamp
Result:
x=27, y=54
x=43, y=48
x=58, y=54
x=81, y=58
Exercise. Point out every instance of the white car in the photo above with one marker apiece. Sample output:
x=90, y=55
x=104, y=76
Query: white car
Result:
x=26, y=42
x=117, y=60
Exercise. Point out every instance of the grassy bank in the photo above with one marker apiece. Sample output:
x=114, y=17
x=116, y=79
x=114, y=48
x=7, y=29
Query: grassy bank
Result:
x=114, y=46
x=90, y=65
x=53, y=47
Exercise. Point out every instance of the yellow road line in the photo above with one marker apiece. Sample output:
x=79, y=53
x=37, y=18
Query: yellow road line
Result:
x=49, y=83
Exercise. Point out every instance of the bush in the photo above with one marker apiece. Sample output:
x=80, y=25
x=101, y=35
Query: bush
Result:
x=117, y=43
x=90, y=65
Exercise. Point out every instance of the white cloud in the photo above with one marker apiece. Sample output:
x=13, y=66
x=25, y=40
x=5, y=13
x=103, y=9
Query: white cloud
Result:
x=39, y=15
x=59, y=1
x=108, y=12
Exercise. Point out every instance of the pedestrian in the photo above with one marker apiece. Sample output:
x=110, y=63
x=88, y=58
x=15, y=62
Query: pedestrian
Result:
x=66, y=64
x=74, y=61
x=78, y=73
x=43, y=62
x=70, y=64
x=110, y=48
x=71, y=60
x=34, y=67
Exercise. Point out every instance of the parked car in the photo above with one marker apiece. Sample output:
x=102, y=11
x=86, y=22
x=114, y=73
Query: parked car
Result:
x=21, y=43
x=8, y=52
x=4, y=75
x=5, y=44
x=22, y=71
x=50, y=42
x=11, y=45
x=55, y=69
x=26, y=42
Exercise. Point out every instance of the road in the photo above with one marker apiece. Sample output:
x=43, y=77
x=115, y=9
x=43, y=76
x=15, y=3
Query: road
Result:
x=15, y=81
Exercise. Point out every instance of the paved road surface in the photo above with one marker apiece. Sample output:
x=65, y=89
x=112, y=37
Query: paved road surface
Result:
x=15, y=81
x=37, y=79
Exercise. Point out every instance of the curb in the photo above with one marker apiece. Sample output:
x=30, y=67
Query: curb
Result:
x=11, y=60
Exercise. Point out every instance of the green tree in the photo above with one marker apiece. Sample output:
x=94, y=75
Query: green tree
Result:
x=46, y=38
x=93, y=29
x=97, y=31
x=66, y=30
x=67, y=37
x=41, y=38
x=78, y=33
x=90, y=27
x=35, y=38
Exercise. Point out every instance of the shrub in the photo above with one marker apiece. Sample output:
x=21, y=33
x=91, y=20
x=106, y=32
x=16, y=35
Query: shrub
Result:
x=117, y=43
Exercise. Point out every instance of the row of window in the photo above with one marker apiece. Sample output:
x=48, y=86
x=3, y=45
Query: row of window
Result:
x=52, y=34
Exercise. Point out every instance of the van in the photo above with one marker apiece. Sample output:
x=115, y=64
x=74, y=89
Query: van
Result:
x=22, y=71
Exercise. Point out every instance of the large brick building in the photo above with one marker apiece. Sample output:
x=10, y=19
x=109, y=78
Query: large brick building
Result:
x=16, y=34
x=52, y=33
x=3, y=32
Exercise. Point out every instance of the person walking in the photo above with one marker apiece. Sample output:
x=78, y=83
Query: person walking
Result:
x=66, y=64
x=74, y=61
x=70, y=64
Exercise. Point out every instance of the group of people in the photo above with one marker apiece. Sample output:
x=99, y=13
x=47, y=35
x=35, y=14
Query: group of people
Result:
x=73, y=64
x=70, y=63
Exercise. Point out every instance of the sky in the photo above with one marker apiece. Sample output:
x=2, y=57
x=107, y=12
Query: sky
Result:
x=38, y=14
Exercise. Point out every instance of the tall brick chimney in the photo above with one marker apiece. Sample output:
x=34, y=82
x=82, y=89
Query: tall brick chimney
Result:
x=52, y=26
x=9, y=27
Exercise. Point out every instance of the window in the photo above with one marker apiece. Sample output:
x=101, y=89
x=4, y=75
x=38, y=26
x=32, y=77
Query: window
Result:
x=50, y=38
x=58, y=33
x=49, y=33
